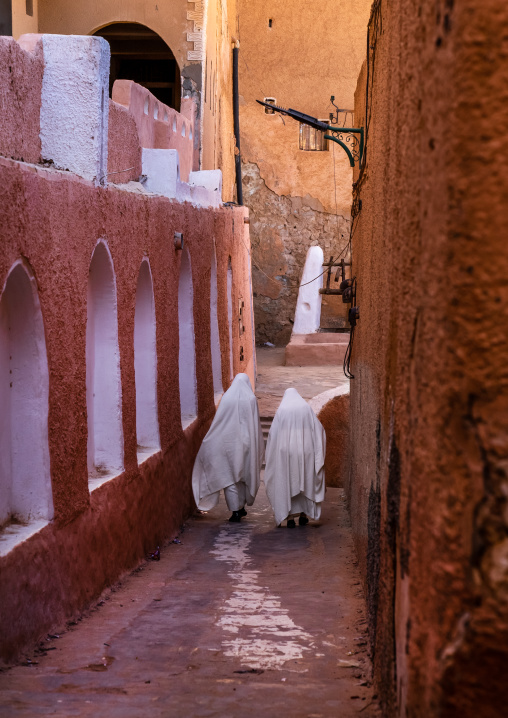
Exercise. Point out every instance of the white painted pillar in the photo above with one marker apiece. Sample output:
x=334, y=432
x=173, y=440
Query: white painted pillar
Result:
x=75, y=104
x=308, y=306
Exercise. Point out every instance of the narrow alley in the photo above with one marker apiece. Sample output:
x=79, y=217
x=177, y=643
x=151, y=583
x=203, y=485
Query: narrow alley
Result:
x=234, y=620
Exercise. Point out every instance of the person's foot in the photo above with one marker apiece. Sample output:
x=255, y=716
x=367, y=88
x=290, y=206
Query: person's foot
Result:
x=303, y=520
x=243, y=512
x=235, y=517
x=291, y=524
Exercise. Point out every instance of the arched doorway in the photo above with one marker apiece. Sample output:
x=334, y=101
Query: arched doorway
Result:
x=139, y=54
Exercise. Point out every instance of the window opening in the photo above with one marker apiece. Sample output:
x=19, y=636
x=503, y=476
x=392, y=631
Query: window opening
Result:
x=270, y=101
x=311, y=139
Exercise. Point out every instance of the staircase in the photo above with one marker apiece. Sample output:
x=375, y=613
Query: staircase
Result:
x=266, y=422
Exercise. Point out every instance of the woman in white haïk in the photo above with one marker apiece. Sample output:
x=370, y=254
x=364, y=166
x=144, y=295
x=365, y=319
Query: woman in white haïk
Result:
x=295, y=461
x=232, y=452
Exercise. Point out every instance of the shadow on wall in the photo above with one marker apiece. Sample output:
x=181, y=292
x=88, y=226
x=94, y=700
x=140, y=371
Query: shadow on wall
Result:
x=145, y=365
x=230, y=315
x=214, y=329
x=187, y=353
x=103, y=383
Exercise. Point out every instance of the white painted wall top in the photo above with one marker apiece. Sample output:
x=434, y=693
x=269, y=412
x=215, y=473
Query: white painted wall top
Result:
x=75, y=105
x=162, y=170
x=308, y=306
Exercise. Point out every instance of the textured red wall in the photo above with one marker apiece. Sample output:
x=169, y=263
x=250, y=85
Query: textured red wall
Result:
x=429, y=402
x=20, y=101
x=158, y=133
x=335, y=418
x=124, y=149
x=54, y=220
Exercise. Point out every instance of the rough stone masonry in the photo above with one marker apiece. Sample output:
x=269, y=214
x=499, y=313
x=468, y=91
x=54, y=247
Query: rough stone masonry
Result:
x=282, y=228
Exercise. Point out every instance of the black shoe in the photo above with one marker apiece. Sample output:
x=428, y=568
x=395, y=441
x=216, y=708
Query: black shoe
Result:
x=242, y=511
x=235, y=517
x=303, y=520
x=291, y=524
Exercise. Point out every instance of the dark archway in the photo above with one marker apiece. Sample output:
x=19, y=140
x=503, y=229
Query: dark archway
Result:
x=139, y=54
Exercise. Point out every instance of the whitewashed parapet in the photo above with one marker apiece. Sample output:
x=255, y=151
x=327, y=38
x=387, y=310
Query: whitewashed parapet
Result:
x=162, y=171
x=75, y=105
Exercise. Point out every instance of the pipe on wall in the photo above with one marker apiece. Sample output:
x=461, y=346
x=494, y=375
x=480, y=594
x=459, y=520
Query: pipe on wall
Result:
x=236, y=119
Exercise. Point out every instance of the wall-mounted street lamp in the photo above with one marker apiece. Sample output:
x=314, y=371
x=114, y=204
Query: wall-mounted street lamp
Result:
x=351, y=139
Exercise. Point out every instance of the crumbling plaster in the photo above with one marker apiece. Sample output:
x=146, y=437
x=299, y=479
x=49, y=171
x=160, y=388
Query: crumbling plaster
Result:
x=282, y=230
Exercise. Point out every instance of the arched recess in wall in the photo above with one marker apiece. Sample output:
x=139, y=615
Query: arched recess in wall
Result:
x=141, y=55
x=187, y=351
x=214, y=329
x=230, y=315
x=145, y=365
x=25, y=479
x=103, y=382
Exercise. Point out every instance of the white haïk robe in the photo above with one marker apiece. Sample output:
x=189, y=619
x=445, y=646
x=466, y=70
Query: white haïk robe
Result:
x=295, y=459
x=232, y=452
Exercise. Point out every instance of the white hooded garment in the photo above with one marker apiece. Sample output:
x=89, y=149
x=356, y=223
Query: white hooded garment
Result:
x=233, y=449
x=295, y=458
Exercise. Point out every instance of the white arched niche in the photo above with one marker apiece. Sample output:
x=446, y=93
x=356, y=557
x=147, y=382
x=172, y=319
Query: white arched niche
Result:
x=214, y=331
x=230, y=315
x=103, y=383
x=145, y=365
x=25, y=478
x=187, y=352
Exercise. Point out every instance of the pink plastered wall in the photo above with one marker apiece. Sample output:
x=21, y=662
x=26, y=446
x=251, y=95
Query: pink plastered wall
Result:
x=159, y=126
x=124, y=149
x=54, y=220
x=20, y=100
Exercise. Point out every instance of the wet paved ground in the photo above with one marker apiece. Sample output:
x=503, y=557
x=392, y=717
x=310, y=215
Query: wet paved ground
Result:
x=234, y=621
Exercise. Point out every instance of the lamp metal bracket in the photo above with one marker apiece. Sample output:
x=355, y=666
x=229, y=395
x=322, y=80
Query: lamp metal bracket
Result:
x=351, y=139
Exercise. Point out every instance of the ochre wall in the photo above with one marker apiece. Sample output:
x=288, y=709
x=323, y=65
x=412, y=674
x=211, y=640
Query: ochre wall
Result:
x=53, y=220
x=311, y=51
x=167, y=19
x=21, y=21
x=429, y=401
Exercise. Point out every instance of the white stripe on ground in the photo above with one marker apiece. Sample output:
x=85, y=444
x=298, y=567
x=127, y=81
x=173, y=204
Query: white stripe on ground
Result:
x=266, y=635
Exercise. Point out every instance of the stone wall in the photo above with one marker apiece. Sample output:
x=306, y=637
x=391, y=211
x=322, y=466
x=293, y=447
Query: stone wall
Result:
x=429, y=401
x=282, y=228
